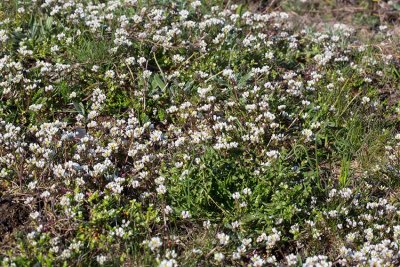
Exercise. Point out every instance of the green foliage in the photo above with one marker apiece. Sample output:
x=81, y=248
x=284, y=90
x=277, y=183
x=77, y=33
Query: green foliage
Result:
x=131, y=135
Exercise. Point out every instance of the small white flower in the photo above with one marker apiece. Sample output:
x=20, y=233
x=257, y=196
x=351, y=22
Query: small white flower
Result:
x=154, y=243
x=273, y=154
x=178, y=58
x=130, y=60
x=32, y=185
x=246, y=191
x=35, y=107
x=54, y=49
x=79, y=197
x=101, y=259
x=219, y=257
x=95, y=68
x=45, y=194
x=185, y=214
x=207, y=224
x=291, y=260
x=307, y=133
x=49, y=88
x=34, y=215
x=167, y=210
x=365, y=100
x=223, y=238
x=236, y=195
x=168, y=263
x=161, y=189
x=257, y=261
x=141, y=60
x=235, y=225
x=110, y=74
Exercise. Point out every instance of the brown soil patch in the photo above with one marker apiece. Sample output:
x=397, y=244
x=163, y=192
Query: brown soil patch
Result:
x=12, y=216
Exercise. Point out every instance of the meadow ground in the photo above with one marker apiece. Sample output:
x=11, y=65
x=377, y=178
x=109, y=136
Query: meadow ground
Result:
x=199, y=133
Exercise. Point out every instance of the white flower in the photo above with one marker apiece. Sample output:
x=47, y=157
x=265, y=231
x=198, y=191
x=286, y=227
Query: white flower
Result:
x=49, y=88
x=55, y=48
x=45, y=194
x=291, y=260
x=146, y=74
x=185, y=214
x=161, y=189
x=32, y=185
x=235, y=225
x=223, y=238
x=365, y=100
x=79, y=197
x=130, y=60
x=110, y=74
x=34, y=215
x=168, y=263
x=228, y=73
x=219, y=257
x=195, y=4
x=66, y=254
x=154, y=243
x=35, y=107
x=156, y=136
x=28, y=200
x=141, y=60
x=101, y=259
x=119, y=232
x=236, y=195
x=246, y=191
x=95, y=68
x=31, y=235
x=178, y=58
x=167, y=209
x=307, y=133
x=183, y=14
x=273, y=154
x=3, y=36
x=236, y=255
x=350, y=237
x=257, y=261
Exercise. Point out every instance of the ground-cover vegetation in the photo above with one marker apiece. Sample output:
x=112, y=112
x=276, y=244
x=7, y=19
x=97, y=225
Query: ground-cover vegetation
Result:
x=195, y=133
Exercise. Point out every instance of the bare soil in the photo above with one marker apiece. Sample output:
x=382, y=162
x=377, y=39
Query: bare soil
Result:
x=12, y=216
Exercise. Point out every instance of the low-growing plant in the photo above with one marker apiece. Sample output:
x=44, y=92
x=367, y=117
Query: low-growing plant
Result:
x=195, y=133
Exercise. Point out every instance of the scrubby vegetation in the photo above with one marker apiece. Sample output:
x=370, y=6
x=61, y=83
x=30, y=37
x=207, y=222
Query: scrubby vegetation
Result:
x=196, y=133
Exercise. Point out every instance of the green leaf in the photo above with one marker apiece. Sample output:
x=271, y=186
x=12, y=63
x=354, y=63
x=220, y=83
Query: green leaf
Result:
x=188, y=86
x=144, y=118
x=49, y=23
x=79, y=108
x=161, y=114
x=37, y=95
x=344, y=172
x=243, y=80
x=395, y=71
x=240, y=10
x=157, y=82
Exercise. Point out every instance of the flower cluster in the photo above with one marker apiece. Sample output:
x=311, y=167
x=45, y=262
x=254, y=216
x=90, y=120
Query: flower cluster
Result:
x=167, y=134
